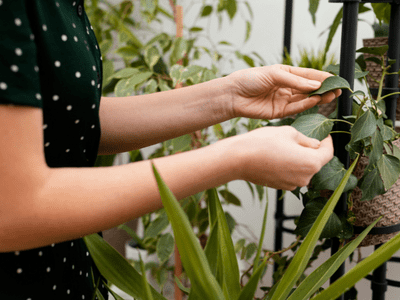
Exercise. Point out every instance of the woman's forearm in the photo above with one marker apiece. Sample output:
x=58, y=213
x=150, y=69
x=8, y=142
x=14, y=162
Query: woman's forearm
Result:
x=74, y=202
x=135, y=122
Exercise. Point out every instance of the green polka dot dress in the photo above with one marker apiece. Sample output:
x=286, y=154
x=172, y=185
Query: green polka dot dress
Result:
x=49, y=59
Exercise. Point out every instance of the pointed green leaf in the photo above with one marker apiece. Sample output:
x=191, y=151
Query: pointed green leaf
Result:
x=317, y=278
x=361, y=270
x=330, y=84
x=192, y=256
x=151, y=56
x=389, y=168
x=313, y=7
x=212, y=251
x=303, y=254
x=330, y=175
x=157, y=226
x=125, y=73
x=230, y=269
x=377, y=149
x=364, y=127
x=230, y=198
x=248, y=31
x=146, y=285
x=116, y=269
x=332, y=30
x=314, y=126
x=231, y=8
x=206, y=11
x=358, y=72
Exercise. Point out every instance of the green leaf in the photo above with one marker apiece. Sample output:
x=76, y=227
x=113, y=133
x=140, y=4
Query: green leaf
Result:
x=231, y=8
x=313, y=7
x=358, y=72
x=389, y=168
x=375, y=60
x=212, y=251
x=317, y=278
x=250, y=250
x=377, y=147
x=249, y=9
x=176, y=73
x=308, y=216
x=195, y=29
x=146, y=285
x=151, y=86
x=248, y=31
x=371, y=185
x=125, y=73
x=206, y=11
x=310, y=111
x=165, y=247
x=108, y=70
x=157, y=226
x=358, y=93
x=230, y=198
x=179, y=50
x=314, y=126
x=361, y=270
x=192, y=256
x=151, y=56
x=374, y=50
x=228, y=262
x=128, y=52
x=364, y=127
x=332, y=31
x=382, y=12
x=181, y=286
x=303, y=254
x=330, y=175
x=116, y=269
x=105, y=46
x=330, y=84
x=163, y=85
x=179, y=144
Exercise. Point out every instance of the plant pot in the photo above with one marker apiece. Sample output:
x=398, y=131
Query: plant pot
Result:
x=386, y=205
x=375, y=70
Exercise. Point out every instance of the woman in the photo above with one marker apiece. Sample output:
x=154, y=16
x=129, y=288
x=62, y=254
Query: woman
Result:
x=50, y=120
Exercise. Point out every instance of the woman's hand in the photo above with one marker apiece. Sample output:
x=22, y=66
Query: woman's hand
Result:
x=278, y=157
x=276, y=91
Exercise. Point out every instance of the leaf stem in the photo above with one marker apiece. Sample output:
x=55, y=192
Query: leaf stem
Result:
x=340, y=120
x=340, y=132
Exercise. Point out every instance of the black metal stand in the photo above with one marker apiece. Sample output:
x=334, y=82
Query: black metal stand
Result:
x=379, y=282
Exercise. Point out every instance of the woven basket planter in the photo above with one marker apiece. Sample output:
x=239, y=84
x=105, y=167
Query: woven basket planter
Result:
x=386, y=205
x=374, y=69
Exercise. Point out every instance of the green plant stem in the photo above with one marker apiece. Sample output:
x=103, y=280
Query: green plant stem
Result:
x=339, y=120
x=264, y=225
x=396, y=93
x=340, y=132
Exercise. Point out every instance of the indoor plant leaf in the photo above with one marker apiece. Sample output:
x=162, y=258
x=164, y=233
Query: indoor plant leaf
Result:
x=148, y=294
x=230, y=198
x=250, y=288
x=115, y=268
x=314, y=126
x=330, y=84
x=228, y=267
x=358, y=72
x=308, y=216
x=374, y=50
x=364, y=127
x=317, y=278
x=371, y=185
x=389, y=168
x=362, y=269
x=165, y=247
x=192, y=256
x=303, y=254
x=330, y=175
x=377, y=150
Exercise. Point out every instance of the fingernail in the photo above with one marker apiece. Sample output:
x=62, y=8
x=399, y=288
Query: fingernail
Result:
x=314, y=84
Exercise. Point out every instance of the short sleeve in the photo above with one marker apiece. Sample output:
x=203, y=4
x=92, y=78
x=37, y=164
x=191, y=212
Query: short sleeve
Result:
x=19, y=78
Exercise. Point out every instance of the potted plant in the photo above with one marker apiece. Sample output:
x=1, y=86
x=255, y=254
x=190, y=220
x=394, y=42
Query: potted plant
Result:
x=377, y=171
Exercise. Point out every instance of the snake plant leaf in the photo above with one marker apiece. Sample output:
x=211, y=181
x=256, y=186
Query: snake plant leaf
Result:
x=317, y=278
x=193, y=258
x=364, y=127
x=330, y=84
x=389, y=168
x=148, y=294
x=116, y=269
x=371, y=185
x=250, y=288
x=228, y=265
x=330, y=175
x=303, y=254
x=362, y=269
x=314, y=126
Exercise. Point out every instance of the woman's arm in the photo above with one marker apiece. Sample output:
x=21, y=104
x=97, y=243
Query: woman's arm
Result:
x=41, y=205
x=135, y=122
